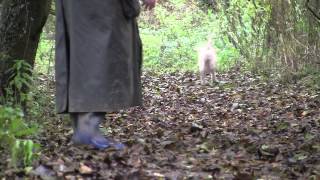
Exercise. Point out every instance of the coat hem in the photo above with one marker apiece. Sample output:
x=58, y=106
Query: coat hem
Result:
x=102, y=109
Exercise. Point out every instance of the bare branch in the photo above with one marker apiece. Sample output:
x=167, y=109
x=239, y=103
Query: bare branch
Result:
x=311, y=10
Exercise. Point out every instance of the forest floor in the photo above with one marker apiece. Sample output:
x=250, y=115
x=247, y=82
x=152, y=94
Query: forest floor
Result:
x=241, y=128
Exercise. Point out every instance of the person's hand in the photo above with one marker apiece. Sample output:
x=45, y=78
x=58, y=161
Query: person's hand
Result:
x=149, y=4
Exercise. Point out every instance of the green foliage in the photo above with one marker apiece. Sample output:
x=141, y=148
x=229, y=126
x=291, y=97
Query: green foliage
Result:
x=45, y=55
x=244, y=24
x=23, y=153
x=174, y=30
x=20, y=79
x=12, y=129
x=170, y=35
x=262, y=35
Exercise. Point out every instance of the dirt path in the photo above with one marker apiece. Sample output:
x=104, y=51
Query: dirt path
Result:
x=242, y=128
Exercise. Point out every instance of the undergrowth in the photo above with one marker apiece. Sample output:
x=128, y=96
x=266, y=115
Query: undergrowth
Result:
x=14, y=131
x=15, y=137
x=172, y=33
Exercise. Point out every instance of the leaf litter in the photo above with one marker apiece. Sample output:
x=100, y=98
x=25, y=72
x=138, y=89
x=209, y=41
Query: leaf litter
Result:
x=241, y=128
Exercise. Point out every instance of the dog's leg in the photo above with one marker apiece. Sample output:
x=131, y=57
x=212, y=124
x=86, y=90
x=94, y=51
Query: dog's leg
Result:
x=213, y=76
x=202, y=77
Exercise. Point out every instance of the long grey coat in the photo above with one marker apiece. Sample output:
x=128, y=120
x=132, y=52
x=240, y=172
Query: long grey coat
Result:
x=98, y=57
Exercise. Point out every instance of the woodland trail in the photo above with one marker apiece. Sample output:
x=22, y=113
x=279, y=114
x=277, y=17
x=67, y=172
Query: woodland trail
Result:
x=242, y=128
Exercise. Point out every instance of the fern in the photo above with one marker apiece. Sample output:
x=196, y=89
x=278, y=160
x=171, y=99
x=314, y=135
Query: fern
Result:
x=19, y=80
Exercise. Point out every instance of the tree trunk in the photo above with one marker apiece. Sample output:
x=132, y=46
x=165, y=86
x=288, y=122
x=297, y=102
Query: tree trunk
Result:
x=21, y=23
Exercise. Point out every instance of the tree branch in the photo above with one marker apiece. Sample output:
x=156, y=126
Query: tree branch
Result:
x=311, y=10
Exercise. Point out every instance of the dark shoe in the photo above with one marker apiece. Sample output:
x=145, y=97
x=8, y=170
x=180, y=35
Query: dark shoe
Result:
x=86, y=131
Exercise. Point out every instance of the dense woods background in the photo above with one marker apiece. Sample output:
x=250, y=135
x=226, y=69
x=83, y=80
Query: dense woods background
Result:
x=274, y=39
x=264, y=36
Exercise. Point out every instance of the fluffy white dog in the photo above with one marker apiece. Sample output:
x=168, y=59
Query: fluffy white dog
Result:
x=207, y=61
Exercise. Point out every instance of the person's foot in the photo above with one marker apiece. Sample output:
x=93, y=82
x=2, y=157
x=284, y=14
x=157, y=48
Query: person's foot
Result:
x=86, y=131
x=97, y=141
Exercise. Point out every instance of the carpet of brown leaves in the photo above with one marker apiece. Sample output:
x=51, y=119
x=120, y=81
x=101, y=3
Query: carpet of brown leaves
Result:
x=240, y=128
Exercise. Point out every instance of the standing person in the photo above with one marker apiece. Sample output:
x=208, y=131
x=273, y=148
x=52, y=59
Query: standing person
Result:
x=98, y=63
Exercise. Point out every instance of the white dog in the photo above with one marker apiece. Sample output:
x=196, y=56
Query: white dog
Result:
x=207, y=61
